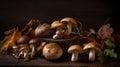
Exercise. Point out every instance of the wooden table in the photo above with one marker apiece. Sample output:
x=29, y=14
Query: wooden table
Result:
x=8, y=60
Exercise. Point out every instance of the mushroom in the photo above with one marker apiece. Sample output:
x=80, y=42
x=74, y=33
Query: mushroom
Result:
x=92, y=48
x=52, y=51
x=42, y=30
x=15, y=49
x=33, y=43
x=40, y=47
x=24, y=52
x=23, y=39
x=59, y=29
x=70, y=24
x=75, y=50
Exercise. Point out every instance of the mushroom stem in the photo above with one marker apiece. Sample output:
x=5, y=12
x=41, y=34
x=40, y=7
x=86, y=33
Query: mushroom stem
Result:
x=69, y=29
x=59, y=33
x=74, y=56
x=92, y=55
x=33, y=50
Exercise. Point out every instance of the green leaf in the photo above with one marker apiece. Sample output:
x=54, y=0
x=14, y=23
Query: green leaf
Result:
x=101, y=57
x=109, y=44
x=110, y=53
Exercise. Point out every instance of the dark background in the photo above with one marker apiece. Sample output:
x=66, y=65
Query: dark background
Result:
x=92, y=13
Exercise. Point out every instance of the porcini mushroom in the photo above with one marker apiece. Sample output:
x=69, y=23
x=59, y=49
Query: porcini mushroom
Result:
x=59, y=29
x=42, y=30
x=93, y=49
x=75, y=50
x=52, y=51
x=71, y=22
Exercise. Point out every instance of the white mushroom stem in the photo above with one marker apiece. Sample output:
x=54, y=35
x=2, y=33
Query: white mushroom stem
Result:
x=32, y=46
x=69, y=29
x=92, y=55
x=74, y=56
x=59, y=33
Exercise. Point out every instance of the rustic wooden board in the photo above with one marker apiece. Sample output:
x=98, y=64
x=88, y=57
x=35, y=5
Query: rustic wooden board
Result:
x=8, y=60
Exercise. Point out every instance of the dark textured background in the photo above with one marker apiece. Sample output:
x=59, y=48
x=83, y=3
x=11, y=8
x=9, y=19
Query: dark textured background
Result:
x=92, y=13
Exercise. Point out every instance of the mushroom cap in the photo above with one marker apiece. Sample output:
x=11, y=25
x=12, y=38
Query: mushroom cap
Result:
x=91, y=45
x=69, y=20
x=22, y=47
x=23, y=39
x=75, y=48
x=42, y=30
x=52, y=51
x=34, y=41
x=57, y=24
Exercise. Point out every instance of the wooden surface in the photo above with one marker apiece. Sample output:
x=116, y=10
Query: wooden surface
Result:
x=8, y=60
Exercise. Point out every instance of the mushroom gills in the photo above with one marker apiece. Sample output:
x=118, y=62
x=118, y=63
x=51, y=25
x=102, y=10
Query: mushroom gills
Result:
x=74, y=56
x=92, y=55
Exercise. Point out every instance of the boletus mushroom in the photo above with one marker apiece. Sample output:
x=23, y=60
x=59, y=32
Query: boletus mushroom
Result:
x=75, y=50
x=70, y=23
x=59, y=29
x=52, y=51
x=92, y=48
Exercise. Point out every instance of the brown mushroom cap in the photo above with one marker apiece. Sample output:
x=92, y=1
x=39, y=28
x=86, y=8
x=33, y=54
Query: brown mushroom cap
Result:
x=91, y=45
x=34, y=41
x=42, y=30
x=52, y=51
x=69, y=20
x=23, y=39
x=22, y=47
x=75, y=48
x=57, y=24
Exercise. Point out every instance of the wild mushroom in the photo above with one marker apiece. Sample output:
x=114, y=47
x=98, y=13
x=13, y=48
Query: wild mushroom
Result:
x=15, y=51
x=33, y=43
x=24, y=52
x=42, y=30
x=59, y=29
x=70, y=24
x=52, y=51
x=75, y=50
x=92, y=49
x=40, y=47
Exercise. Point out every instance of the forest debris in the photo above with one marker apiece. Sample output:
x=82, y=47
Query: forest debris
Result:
x=105, y=31
x=14, y=36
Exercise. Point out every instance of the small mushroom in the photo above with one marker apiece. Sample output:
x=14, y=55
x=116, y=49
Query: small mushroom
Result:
x=33, y=43
x=40, y=47
x=75, y=50
x=70, y=24
x=92, y=49
x=59, y=29
x=52, y=51
x=42, y=30
x=24, y=52
x=15, y=51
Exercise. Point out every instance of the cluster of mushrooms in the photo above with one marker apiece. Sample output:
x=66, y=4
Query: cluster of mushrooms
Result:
x=27, y=43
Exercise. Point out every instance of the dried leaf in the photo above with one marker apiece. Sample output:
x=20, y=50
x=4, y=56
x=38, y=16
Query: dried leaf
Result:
x=15, y=36
x=105, y=31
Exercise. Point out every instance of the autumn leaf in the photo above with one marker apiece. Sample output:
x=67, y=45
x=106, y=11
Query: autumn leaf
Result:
x=105, y=31
x=15, y=36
